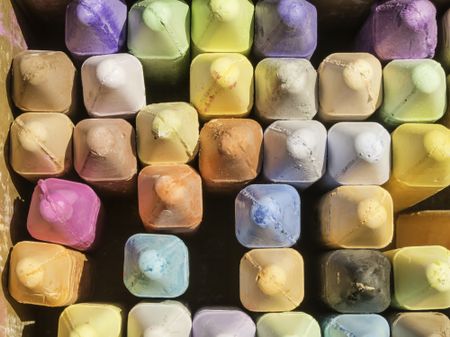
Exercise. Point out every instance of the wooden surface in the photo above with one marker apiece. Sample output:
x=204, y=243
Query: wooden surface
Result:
x=214, y=250
x=11, y=42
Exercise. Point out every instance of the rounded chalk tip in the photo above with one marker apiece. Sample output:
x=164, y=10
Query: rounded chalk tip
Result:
x=155, y=331
x=427, y=78
x=300, y=144
x=157, y=15
x=86, y=14
x=165, y=124
x=83, y=330
x=100, y=140
x=293, y=13
x=438, y=276
x=289, y=81
x=271, y=280
x=225, y=72
x=265, y=212
x=369, y=147
x=357, y=74
x=34, y=69
x=231, y=143
x=170, y=191
x=152, y=264
x=110, y=74
x=55, y=209
x=30, y=273
x=437, y=144
x=371, y=213
x=416, y=14
x=32, y=136
x=224, y=10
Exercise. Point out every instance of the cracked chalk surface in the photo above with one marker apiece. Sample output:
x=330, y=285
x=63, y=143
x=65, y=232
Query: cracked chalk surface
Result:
x=267, y=216
x=167, y=318
x=286, y=28
x=222, y=26
x=356, y=217
x=170, y=198
x=60, y=273
x=348, y=166
x=294, y=152
x=230, y=152
x=271, y=279
x=350, y=86
x=95, y=28
x=167, y=133
x=415, y=91
x=285, y=89
x=41, y=145
x=113, y=85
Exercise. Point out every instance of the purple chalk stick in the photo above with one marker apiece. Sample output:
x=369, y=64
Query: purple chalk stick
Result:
x=285, y=28
x=64, y=212
x=215, y=321
x=400, y=29
x=95, y=27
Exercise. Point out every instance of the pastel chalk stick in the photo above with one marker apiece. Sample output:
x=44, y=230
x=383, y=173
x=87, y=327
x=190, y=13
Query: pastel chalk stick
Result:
x=295, y=152
x=285, y=88
x=95, y=27
x=230, y=153
x=400, y=29
x=271, y=280
x=358, y=154
x=267, y=216
x=105, y=154
x=47, y=274
x=421, y=277
x=41, y=145
x=423, y=228
x=44, y=81
x=90, y=320
x=421, y=173
x=296, y=324
x=350, y=86
x=156, y=266
x=159, y=36
x=167, y=318
x=212, y=321
x=356, y=217
x=285, y=28
x=414, y=92
x=222, y=26
x=221, y=85
x=65, y=212
x=167, y=133
x=356, y=281
x=170, y=198
x=420, y=324
x=363, y=325
x=113, y=85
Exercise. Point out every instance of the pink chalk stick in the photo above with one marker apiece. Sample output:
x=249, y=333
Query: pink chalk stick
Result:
x=64, y=212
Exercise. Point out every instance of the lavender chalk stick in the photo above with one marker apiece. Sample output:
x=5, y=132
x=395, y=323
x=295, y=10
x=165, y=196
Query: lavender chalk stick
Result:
x=400, y=29
x=95, y=27
x=215, y=321
x=285, y=28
